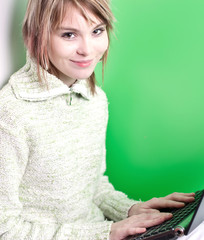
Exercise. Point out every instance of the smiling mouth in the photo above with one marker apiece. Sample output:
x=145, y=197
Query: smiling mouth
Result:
x=85, y=63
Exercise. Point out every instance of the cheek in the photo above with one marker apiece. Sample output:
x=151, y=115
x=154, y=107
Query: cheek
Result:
x=106, y=45
x=56, y=50
x=103, y=46
x=59, y=48
x=106, y=42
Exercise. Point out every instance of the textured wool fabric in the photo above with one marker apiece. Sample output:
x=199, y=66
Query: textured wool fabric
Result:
x=52, y=161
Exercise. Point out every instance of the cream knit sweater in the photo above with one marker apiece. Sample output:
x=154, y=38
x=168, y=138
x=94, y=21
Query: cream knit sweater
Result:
x=52, y=160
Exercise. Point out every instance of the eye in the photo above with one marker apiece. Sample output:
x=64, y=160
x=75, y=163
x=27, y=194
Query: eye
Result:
x=68, y=35
x=98, y=31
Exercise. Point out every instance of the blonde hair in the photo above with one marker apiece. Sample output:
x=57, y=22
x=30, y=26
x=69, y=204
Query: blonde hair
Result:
x=42, y=16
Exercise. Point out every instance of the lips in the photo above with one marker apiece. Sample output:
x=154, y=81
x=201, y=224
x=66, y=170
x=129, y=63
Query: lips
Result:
x=84, y=63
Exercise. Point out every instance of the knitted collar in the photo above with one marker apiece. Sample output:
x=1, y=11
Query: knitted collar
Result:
x=26, y=86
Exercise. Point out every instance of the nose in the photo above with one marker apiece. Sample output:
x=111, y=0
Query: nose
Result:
x=84, y=46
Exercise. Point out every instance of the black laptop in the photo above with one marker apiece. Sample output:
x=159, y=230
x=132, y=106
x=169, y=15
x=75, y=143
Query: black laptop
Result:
x=183, y=222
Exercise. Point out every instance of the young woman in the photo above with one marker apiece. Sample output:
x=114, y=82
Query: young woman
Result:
x=52, y=126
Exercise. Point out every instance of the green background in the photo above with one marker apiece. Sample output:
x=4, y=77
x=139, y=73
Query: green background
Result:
x=154, y=81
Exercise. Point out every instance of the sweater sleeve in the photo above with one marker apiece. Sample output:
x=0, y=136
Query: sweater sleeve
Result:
x=14, y=152
x=114, y=204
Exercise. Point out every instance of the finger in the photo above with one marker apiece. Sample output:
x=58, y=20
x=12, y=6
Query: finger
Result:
x=160, y=203
x=176, y=194
x=133, y=231
x=125, y=232
x=171, y=204
x=182, y=197
x=149, y=220
x=149, y=210
x=144, y=217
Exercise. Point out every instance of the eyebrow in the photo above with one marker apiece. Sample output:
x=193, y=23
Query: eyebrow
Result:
x=77, y=30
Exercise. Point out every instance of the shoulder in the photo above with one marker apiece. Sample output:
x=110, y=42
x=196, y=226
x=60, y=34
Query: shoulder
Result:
x=99, y=99
x=101, y=94
x=101, y=103
x=7, y=97
x=11, y=108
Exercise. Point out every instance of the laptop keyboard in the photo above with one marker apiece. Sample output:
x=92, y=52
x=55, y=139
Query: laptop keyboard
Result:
x=178, y=215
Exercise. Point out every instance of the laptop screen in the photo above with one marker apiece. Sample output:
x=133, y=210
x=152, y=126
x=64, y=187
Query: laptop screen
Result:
x=198, y=216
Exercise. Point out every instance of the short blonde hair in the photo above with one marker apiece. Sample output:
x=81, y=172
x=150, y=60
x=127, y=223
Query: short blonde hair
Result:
x=42, y=16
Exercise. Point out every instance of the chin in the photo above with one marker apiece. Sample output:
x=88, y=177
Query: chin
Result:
x=83, y=76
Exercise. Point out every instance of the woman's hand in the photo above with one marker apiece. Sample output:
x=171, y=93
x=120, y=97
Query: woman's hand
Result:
x=146, y=214
x=174, y=200
x=136, y=224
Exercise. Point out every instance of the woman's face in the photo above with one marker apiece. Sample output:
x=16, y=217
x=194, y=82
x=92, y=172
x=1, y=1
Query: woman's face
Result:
x=77, y=45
